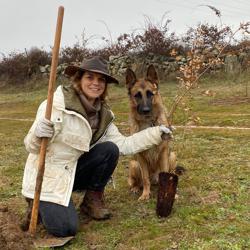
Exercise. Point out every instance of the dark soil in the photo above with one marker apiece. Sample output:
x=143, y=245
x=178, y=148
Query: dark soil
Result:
x=11, y=235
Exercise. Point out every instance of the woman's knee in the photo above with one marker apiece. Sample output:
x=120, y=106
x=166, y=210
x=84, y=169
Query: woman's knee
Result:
x=113, y=149
x=110, y=149
x=70, y=229
x=62, y=229
x=58, y=220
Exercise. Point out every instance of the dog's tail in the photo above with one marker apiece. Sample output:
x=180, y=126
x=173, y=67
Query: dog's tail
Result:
x=179, y=170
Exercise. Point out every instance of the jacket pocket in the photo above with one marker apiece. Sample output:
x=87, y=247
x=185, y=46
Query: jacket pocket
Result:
x=56, y=179
x=75, y=141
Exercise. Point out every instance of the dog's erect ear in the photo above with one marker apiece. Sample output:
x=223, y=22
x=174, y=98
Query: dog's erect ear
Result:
x=130, y=78
x=152, y=74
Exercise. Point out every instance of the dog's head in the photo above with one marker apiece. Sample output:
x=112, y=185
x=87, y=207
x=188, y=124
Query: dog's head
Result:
x=142, y=91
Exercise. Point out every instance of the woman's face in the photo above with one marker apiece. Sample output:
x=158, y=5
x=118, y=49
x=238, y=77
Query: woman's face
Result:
x=93, y=85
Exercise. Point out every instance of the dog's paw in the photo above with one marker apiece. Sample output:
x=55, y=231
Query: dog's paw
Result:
x=135, y=190
x=144, y=197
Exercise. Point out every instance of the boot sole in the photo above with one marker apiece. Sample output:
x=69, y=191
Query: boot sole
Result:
x=84, y=210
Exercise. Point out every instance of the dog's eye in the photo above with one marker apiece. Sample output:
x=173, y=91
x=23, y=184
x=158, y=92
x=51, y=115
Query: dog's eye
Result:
x=138, y=95
x=149, y=94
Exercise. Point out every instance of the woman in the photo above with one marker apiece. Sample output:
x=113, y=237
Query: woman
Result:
x=83, y=150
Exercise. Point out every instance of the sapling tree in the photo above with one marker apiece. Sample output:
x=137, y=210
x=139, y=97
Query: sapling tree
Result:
x=200, y=61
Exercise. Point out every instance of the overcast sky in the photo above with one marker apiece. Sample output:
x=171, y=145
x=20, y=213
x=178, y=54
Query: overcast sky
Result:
x=27, y=23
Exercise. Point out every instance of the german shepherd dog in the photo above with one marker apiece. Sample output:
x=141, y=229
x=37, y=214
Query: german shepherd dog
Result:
x=147, y=110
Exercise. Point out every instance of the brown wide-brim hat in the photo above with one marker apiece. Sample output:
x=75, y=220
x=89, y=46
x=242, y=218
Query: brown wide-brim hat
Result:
x=95, y=64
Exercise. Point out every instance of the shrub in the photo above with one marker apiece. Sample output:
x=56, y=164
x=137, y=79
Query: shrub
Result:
x=153, y=38
x=123, y=45
x=37, y=57
x=206, y=36
x=19, y=67
x=14, y=67
x=73, y=54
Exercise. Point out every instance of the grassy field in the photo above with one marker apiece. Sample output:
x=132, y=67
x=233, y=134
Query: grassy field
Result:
x=212, y=210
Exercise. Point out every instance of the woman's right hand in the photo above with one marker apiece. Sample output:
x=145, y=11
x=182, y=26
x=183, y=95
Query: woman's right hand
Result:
x=44, y=128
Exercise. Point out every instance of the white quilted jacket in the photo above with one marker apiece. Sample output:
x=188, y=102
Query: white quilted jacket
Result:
x=71, y=139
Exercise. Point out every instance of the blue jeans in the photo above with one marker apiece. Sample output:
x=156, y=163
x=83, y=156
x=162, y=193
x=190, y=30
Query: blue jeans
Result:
x=94, y=169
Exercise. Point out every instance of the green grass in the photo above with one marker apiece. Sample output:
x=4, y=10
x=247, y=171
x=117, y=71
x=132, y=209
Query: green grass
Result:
x=212, y=211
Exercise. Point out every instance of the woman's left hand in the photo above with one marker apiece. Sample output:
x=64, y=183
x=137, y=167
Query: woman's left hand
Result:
x=167, y=133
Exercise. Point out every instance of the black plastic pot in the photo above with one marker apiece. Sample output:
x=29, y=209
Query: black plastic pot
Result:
x=166, y=193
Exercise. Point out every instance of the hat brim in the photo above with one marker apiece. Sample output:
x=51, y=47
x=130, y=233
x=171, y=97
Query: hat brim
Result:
x=72, y=69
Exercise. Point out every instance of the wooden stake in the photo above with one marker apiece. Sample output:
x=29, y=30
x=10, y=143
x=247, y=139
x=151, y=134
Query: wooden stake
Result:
x=166, y=193
x=41, y=166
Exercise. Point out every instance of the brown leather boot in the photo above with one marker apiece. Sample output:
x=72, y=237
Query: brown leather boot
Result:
x=93, y=205
x=26, y=221
x=27, y=217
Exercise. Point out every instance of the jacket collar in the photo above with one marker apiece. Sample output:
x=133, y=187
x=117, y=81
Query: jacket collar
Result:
x=72, y=101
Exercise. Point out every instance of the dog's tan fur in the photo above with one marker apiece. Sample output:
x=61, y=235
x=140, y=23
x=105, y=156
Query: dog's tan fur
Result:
x=145, y=168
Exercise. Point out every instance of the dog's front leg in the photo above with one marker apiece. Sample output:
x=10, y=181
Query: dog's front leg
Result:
x=134, y=177
x=145, y=182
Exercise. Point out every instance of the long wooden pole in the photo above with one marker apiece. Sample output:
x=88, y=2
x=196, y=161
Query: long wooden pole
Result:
x=52, y=79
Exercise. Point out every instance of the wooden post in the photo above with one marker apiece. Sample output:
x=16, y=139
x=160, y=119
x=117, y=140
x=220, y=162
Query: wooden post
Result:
x=166, y=193
x=41, y=166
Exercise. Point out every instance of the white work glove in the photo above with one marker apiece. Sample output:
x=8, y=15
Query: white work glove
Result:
x=44, y=128
x=166, y=132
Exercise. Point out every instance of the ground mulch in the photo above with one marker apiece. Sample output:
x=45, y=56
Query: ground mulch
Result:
x=11, y=235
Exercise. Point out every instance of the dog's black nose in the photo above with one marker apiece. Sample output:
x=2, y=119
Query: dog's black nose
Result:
x=146, y=110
